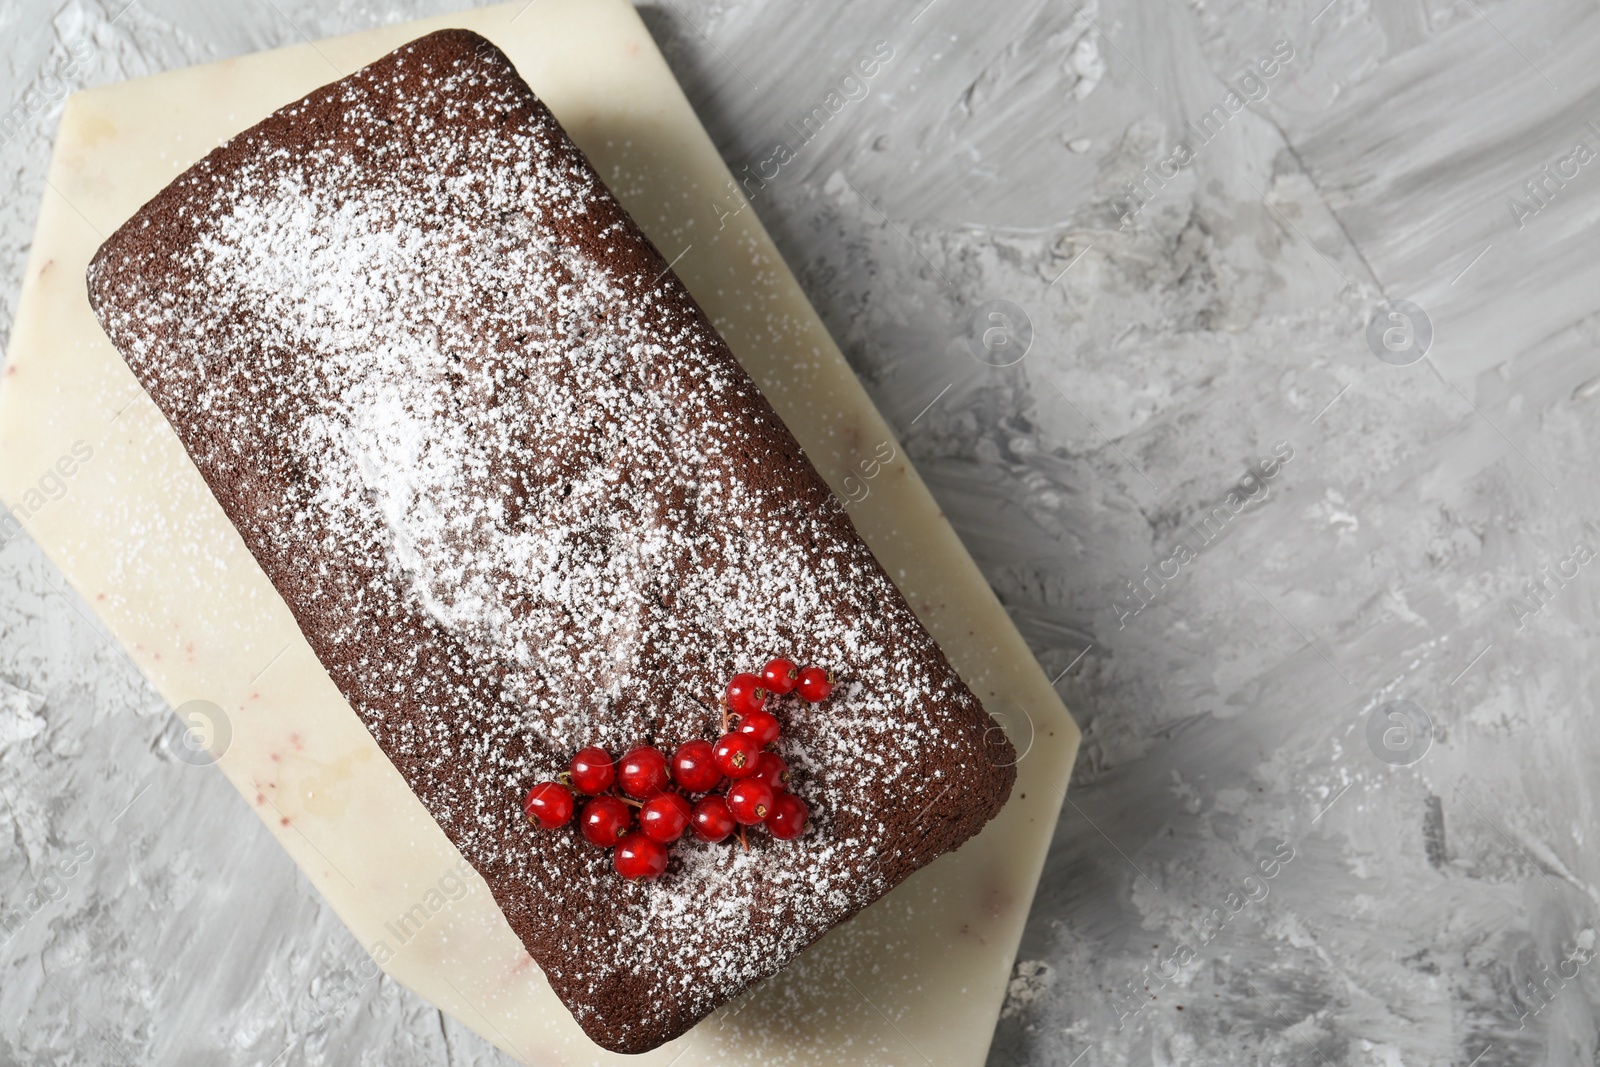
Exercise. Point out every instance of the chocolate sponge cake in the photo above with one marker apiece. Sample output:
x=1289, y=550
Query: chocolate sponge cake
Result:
x=522, y=499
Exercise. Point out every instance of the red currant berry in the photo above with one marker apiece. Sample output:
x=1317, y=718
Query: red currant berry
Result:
x=760, y=725
x=815, y=684
x=745, y=694
x=592, y=771
x=735, y=755
x=664, y=818
x=643, y=772
x=549, y=804
x=694, y=767
x=771, y=769
x=750, y=800
x=639, y=857
x=787, y=819
x=712, y=820
x=778, y=677
x=604, y=821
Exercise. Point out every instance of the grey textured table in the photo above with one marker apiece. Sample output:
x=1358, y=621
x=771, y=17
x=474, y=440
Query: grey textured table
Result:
x=1316, y=580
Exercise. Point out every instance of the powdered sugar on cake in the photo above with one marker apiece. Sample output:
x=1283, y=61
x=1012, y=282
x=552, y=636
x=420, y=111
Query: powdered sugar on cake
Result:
x=538, y=455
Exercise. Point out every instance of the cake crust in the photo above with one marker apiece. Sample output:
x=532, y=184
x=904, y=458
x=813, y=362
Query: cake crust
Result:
x=521, y=498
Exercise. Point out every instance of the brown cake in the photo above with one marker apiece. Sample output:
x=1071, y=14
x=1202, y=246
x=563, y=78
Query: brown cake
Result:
x=522, y=499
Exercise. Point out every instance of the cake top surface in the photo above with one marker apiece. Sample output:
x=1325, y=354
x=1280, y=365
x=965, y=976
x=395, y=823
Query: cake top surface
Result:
x=522, y=500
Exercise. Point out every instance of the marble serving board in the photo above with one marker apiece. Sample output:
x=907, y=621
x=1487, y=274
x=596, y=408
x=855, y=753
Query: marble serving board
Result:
x=919, y=977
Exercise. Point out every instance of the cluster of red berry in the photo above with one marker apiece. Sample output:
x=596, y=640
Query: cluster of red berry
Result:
x=757, y=793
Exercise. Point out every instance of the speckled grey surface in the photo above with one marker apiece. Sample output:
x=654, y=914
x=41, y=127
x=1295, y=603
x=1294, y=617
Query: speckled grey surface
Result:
x=1256, y=554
